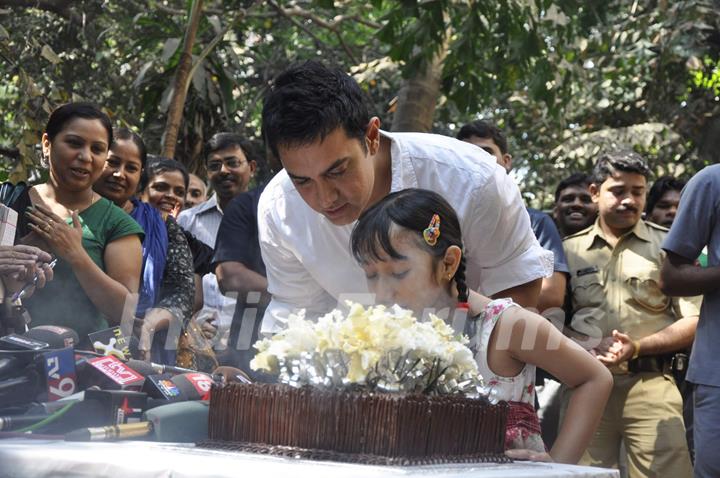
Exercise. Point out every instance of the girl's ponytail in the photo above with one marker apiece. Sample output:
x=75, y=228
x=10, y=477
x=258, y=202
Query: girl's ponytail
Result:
x=460, y=281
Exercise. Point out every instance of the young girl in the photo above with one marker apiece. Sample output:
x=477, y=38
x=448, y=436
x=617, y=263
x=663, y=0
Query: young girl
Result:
x=410, y=246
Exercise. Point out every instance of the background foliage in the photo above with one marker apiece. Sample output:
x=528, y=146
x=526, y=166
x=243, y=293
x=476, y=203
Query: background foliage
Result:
x=565, y=78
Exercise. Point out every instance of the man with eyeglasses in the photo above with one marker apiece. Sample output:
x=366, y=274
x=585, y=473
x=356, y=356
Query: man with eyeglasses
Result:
x=229, y=172
x=231, y=164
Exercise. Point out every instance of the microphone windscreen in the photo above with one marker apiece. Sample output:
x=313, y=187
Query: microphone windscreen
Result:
x=183, y=422
x=194, y=386
x=142, y=367
x=56, y=336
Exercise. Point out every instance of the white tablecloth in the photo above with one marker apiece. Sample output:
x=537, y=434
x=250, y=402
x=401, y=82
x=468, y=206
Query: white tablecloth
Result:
x=39, y=458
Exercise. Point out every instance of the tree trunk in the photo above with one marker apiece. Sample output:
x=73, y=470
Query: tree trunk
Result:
x=418, y=97
x=181, y=82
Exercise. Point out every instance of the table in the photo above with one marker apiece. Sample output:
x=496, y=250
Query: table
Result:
x=49, y=458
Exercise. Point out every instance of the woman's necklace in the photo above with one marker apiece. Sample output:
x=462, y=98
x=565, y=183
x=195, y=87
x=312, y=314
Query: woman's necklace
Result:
x=68, y=211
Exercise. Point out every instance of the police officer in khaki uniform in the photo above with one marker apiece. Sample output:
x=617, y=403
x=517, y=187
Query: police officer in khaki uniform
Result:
x=624, y=319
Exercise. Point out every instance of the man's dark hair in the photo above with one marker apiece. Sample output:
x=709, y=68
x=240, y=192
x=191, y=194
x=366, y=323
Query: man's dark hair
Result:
x=624, y=161
x=661, y=186
x=307, y=102
x=220, y=141
x=63, y=114
x=411, y=209
x=484, y=129
x=575, y=179
x=158, y=165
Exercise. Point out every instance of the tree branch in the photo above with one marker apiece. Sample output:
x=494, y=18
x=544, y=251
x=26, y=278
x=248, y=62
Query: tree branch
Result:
x=333, y=26
x=347, y=49
x=283, y=12
x=181, y=82
x=61, y=8
x=177, y=12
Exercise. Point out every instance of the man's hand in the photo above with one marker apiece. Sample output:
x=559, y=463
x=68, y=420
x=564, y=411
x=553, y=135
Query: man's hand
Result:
x=208, y=328
x=604, y=348
x=616, y=349
x=155, y=319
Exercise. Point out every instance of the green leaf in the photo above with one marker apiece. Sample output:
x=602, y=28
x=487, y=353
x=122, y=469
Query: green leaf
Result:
x=169, y=49
x=215, y=22
x=325, y=3
x=48, y=53
x=143, y=72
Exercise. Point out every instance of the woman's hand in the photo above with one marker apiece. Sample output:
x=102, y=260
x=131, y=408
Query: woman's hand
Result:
x=64, y=240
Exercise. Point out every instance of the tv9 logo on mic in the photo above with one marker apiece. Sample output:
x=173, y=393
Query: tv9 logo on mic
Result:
x=60, y=373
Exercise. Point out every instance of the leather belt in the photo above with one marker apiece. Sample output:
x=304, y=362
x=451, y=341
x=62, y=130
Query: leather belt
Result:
x=651, y=363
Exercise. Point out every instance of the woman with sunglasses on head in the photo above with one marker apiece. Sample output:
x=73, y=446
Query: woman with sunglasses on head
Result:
x=96, y=244
x=167, y=288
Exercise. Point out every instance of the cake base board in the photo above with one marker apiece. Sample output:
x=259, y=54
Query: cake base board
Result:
x=328, y=455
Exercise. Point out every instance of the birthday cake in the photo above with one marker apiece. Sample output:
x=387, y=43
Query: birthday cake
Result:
x=371, y=386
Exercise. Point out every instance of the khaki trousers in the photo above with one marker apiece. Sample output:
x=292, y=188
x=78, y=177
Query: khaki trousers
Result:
x=644, y=409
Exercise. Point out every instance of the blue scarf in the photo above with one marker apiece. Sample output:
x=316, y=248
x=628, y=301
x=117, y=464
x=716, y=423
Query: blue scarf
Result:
x=154, y=253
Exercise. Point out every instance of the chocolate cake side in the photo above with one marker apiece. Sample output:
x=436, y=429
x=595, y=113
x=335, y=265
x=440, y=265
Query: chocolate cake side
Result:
x=356, y=426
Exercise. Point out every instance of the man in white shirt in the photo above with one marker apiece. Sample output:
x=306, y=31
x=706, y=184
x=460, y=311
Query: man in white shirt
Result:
x=338, y=163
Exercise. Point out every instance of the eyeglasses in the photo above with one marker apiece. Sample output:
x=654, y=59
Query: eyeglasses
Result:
x=215, y=166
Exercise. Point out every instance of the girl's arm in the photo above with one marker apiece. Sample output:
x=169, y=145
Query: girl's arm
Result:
x=529, y=338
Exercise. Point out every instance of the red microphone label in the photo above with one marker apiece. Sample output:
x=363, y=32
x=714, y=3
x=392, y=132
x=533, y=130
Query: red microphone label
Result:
x=201, y=382
x=117, y=371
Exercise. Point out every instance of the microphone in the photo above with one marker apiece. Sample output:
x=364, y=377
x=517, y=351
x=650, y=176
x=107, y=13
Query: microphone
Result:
x=8, y=386
x=14, y=422
x=46, y=376
x=108, y=372
x=195, y=385
x=55, y=336
x=114, y=432
x=111, y=342
x=17, y=342
x=164, y=389
x=59, y=372
x=151, y=368
x=8, y=364
x=182, y=422
x=20, y=389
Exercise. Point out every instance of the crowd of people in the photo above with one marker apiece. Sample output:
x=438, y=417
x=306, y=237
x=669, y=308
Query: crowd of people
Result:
x=429, y=222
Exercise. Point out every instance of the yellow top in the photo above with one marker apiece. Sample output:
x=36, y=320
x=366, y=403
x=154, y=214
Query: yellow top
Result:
x=617, y=288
